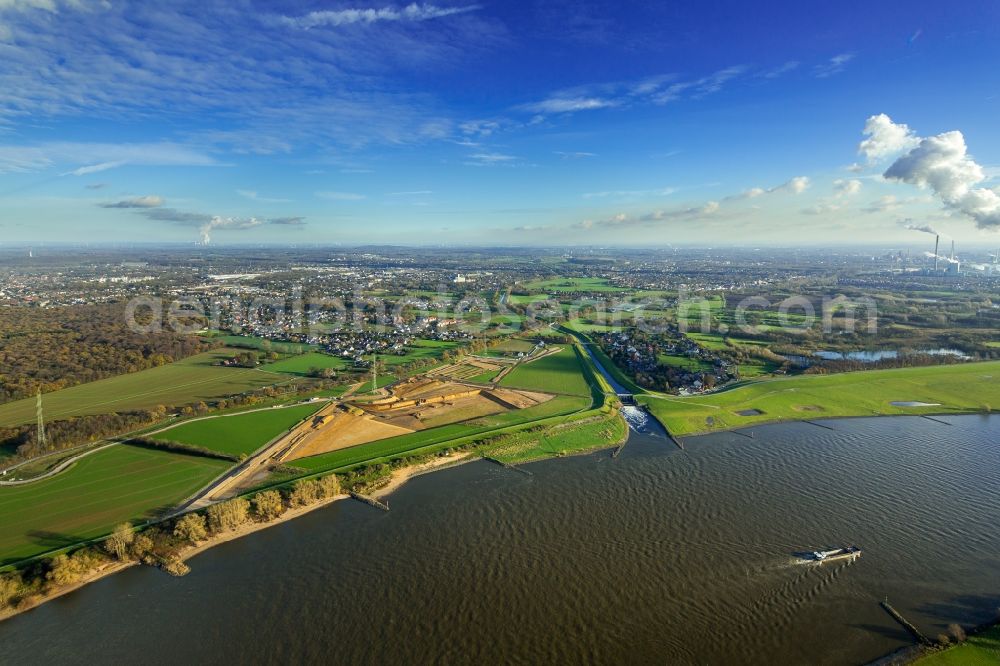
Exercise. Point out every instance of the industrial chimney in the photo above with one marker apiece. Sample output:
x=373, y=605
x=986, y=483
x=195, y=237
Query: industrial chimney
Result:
x=937, y=240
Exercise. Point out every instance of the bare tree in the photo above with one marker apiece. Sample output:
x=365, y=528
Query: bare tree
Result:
x=304, y=493
x=10, y=588
x=227, y=516
x=117, y=544
x=191, y=527
x=956, y=632
x=329, y=486
x=268, y=505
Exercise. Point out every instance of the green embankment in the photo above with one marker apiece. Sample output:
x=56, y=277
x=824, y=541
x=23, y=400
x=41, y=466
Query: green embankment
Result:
x=183, y=382
x=964, y=388
x=556, y=373
x=560, y=439
x=980, y=650
x=117, y=484
x=239, y=433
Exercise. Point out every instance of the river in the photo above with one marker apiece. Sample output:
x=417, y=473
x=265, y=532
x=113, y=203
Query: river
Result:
x=657, y=556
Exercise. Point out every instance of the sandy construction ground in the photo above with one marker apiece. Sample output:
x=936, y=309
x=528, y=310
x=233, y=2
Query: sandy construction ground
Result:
x=339, y=429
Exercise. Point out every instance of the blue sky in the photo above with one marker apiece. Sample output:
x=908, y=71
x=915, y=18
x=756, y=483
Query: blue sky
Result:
x=522, y=123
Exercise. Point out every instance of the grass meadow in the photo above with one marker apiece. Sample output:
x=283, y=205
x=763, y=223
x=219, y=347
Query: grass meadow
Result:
x=556, y=373
x=190, y=380
x=238, y=433
x=967, y=387
x=117, y=484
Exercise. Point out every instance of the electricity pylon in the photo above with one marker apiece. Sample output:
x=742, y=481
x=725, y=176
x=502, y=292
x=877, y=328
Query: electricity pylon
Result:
x=42, y=439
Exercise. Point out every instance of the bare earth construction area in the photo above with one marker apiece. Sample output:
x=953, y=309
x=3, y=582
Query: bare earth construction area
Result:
x=417, y=404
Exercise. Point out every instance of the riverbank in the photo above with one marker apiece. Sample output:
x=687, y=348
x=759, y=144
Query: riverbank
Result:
x=981, y=646
x=398, y=478
x=969, y=388
x=710, y=533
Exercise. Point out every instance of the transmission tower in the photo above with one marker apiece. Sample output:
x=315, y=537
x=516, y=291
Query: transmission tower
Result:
x=42, y=439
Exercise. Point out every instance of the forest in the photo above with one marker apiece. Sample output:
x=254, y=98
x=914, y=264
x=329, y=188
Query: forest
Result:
x=48, y=349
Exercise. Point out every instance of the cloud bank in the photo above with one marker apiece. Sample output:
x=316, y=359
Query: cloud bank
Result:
x=938, y=163
x=149, y=201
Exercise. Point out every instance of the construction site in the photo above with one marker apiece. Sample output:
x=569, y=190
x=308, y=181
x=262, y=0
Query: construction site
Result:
x=452, y=393
x=417, y=404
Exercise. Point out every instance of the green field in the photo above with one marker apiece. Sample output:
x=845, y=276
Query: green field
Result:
x=572, y=284
x=684, y=362
x=86, y=501
x=587, y=326
x=484, y=378
x=419, y=349
x=239, y=433
x=512, y=346
x=979, y=650
x=968, y=387
x=555, y=373
x=175, y=384
x=303, y=363
x=263, y=344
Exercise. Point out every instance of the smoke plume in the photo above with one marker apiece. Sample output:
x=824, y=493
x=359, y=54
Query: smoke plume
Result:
x=939, y=163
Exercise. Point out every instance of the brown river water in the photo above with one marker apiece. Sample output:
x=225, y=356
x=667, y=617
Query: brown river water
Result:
x=658, y=556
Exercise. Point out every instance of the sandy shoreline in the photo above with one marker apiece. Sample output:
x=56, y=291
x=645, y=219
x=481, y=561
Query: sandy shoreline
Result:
x=396, y=480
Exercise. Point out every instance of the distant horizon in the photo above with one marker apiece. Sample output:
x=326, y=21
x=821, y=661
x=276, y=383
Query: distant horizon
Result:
x=818, y=246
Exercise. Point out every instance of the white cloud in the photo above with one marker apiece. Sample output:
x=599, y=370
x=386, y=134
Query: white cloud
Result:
x=126, y=61
x=796, y=185
x=148, y=201
x=662, y=192
x=569, y=104
x=834, y=65
x=21, y=5
x=487, y=159
x=255, y=196
x=340, y=196
x=941, y=164
x=707, y=209
x=780, y=70
x=846, y=188
x=97, y=157
x=885, y=138
x=94, y=168
x=822, y=208
x=882, y=204
x=338, y=17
